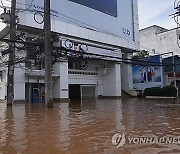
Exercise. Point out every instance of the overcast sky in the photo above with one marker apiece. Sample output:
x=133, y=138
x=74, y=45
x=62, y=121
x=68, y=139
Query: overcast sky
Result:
x=156, y=12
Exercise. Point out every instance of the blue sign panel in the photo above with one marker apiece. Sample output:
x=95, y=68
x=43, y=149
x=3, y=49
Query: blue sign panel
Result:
x=114, y=17
x=148, y=74
x=105, y=6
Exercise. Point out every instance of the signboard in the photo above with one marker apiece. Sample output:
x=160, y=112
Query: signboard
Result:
x=148, y=76
x=78, y=48
x=113, y=17
x=105, y=6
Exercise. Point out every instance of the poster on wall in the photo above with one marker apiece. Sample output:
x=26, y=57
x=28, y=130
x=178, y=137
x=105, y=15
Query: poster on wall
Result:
x=148, y=74
x=105, y=6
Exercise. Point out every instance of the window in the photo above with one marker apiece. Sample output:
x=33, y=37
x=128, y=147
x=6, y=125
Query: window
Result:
x=106, y=6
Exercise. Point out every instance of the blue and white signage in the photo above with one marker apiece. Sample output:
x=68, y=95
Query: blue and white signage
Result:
x=149, y=75
x=107, y=16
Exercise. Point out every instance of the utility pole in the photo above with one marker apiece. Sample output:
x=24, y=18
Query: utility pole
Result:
x=10, y=78
x=174, y=75
x=48, y=55
x=174, y=70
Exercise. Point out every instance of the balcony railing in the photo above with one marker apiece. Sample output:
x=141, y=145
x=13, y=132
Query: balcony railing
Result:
x=39, y=73
x=82, y=72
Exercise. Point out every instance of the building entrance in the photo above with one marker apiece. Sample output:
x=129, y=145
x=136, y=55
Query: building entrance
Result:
x=74, y=91
x=87, y=92
x=35, y=92
x=81, y=91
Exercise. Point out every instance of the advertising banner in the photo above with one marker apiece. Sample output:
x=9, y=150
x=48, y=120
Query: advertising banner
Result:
x=148, y=74
x=113, y=17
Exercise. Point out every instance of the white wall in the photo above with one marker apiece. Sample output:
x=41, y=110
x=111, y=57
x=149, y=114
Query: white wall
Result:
x=160, y=39
x=2, y=91
x=112, y=81
x=60, y=86
x=136, y=21
x=76, y=14
x=113, y=28
x=167, y=42
x=19, y=82
x=126, y=76
x=106, y=84
x=3, y=83
x=87, y=80
x=104, y=29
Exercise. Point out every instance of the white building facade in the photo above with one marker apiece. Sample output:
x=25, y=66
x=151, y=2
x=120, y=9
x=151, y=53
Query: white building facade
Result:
x=162, y=41
x=109, y=32
x=159, y=40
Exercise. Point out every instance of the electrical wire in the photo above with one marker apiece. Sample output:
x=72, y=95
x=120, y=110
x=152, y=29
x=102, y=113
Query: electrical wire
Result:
x=77, y=21
x=72, y=20
x=118, y=59
x=39, y=12
x=67, y=51
x=24, y=10
x=176, y=19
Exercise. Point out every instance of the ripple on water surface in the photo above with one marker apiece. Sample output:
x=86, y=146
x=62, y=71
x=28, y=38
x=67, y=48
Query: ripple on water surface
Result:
x=88, y=126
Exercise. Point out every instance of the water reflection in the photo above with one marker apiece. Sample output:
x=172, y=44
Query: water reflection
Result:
x=87, y=126
x=64, y=134
x=3, y=131
x=18, y=128
x=143, y=118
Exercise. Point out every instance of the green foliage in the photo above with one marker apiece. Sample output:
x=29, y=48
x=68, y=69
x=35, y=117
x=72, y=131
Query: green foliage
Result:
x=168, y=91
x=141, y=54
x=154, y=91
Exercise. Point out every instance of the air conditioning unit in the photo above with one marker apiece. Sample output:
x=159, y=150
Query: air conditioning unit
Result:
x=104, y=71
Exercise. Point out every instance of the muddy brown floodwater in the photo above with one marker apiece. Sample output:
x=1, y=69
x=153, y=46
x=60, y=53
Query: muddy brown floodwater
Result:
x=85, y=127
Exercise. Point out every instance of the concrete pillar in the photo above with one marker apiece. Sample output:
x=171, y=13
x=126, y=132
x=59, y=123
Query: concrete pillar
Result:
x=165, y=79
x=3, y=86
x=112, y=81
x=19, y=84
x=127, y=80
x=60, y=87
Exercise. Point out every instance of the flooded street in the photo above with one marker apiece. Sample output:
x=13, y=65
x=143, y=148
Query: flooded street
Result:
x=88, y=126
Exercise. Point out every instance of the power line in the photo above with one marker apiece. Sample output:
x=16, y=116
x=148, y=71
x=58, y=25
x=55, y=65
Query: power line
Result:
x=71, y=20
x=29, y=6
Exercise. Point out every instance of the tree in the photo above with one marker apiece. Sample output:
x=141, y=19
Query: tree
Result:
x=141, y=54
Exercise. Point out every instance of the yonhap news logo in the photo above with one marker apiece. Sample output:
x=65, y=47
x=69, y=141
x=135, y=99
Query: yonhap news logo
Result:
x=119, y=140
